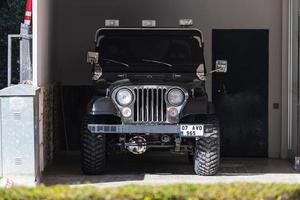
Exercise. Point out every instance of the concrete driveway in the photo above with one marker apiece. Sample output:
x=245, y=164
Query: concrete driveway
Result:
x=165, y=168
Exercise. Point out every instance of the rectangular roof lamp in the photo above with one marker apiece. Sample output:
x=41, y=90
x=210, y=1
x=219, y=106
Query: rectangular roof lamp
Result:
x=186, y=22
x=148, y=23
x=112, y=23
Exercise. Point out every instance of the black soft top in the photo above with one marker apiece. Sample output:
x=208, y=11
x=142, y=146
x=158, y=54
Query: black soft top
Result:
x=148, y=31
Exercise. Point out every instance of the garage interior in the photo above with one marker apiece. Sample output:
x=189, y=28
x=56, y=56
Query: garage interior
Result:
x=256, y=101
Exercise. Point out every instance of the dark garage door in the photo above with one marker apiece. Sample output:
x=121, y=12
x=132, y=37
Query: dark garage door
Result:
x=241, y=95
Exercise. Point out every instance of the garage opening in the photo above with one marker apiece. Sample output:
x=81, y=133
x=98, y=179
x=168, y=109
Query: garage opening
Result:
x=241, y=95
x=243, y=98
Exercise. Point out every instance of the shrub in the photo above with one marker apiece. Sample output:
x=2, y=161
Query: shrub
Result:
x=164, y=192
x=11, y=15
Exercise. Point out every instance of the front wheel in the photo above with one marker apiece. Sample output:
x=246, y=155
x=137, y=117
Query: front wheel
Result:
x=207, y=154
x=93, y=151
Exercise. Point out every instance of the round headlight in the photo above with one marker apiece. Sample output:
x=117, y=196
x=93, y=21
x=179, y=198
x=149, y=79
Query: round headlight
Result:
x=124, y=97
x=176, y=97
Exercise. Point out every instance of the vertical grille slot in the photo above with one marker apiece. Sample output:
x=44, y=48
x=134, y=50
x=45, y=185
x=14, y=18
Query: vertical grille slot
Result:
x=136, y=117
x=164, y=105
x=150, y=105
x=147, y=105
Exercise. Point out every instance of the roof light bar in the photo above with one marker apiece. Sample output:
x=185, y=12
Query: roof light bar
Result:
x=186, y=22
x=112, y=22
x=148, y=23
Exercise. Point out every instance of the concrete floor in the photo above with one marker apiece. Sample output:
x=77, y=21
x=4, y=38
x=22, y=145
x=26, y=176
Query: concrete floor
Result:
x=165, y=168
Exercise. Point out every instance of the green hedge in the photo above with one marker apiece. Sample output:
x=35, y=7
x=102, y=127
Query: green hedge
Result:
x=12, y=13
x=181, y=191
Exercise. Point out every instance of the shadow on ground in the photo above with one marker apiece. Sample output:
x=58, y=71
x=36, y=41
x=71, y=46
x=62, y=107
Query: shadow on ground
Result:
x=156, y=166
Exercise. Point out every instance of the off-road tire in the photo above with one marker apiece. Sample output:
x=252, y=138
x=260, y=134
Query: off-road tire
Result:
x=207, y=152
x=93, y=151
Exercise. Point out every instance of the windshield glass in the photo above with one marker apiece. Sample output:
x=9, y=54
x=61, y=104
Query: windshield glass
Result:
x=150, y=53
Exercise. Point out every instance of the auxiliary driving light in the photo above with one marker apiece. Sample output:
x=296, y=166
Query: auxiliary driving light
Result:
x=173, y=112
x=126, y=112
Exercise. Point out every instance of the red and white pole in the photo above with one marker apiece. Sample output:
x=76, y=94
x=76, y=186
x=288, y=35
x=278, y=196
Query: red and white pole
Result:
x=28, y=12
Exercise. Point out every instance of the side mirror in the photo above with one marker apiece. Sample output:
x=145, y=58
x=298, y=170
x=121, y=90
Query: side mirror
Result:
x=92, y=57
x=221, y=66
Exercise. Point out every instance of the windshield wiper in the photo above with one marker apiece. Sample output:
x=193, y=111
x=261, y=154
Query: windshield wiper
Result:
x=115, y=61
x=158, y=62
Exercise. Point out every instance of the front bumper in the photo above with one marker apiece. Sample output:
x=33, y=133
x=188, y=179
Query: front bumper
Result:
x=142, y=129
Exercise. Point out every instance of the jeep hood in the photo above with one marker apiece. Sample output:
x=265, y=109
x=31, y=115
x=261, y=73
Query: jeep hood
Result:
x=151, y=50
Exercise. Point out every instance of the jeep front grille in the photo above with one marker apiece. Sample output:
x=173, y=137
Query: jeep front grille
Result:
x=150, y=105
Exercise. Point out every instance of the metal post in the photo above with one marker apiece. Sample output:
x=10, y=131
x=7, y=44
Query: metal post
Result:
x=25, y=58
x=25, y=54
x=9, y=54
x=293, y=85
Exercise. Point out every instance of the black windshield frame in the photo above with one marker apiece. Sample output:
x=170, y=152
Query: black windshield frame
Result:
x=181, y=48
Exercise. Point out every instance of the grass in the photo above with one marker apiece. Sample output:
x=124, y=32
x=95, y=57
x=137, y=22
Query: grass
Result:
x=166, y=192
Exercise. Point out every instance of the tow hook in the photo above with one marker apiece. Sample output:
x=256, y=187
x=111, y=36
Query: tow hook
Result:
x=177, y=144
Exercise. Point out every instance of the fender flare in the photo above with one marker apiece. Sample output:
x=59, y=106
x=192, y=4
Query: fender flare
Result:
x=102, y=106
x=197, y=106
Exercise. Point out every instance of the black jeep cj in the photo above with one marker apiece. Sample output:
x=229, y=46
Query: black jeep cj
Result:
x=151, y=94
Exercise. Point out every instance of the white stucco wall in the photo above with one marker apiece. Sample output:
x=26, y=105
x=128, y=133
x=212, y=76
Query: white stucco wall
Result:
x=42, y=44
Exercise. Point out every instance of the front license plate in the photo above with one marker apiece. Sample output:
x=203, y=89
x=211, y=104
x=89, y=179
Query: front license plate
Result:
x=191, y=130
